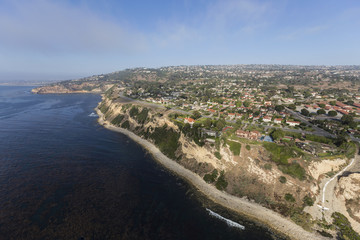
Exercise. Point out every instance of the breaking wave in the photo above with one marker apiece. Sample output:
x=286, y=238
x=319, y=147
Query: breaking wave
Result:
x=93, y=115
x=228, y=221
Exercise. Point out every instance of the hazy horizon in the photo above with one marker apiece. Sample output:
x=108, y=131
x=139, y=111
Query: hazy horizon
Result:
x=51, y=40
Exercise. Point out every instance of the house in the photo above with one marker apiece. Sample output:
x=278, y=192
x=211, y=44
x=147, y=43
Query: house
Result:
x=254, y=135
x=242, y=134
x=293, y=123
x=340, y=104
x=231, y=115
x=278, y=120
x=267, y=119
x=267, y=103
x=209, y=133
x=189, y=120
x=256, y=118
x=344, y=112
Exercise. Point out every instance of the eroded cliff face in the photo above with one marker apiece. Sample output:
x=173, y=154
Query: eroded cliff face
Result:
x=73, y=87
x=250, y=174
x=348, y=191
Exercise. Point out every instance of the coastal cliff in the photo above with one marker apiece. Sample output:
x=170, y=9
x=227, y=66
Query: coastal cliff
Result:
x=243, y=170
x=277, y=184
x=72, y=87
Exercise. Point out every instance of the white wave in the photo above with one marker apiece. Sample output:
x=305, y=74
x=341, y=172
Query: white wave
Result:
x=92, y=115
x=228, y=221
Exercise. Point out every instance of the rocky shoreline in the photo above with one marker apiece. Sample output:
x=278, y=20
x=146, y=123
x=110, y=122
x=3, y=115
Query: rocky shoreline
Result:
x=242, y=206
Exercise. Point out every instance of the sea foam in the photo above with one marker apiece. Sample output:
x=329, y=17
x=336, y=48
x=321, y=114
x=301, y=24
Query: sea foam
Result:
x=228, y=221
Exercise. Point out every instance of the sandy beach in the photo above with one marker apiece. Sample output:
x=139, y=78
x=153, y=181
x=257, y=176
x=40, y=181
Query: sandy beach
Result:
x=242, y=206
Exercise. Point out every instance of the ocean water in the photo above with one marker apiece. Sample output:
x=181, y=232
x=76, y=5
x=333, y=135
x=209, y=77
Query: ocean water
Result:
x=63, y=176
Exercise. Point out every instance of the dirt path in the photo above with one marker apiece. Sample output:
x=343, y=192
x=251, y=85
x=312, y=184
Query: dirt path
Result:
x=242, y=206
x=334, y=180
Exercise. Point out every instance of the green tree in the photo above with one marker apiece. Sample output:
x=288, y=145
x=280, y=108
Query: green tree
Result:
x=332, y=113
x=196, y=115
x=347, y=119
x=292, y=106
x=289, y=197
x=282, y=179
x=279, y=108
x=320, y=111
x=332, y=103
x=305, y=112
x=308, y=201
x=277, y=134
x=220, y=124
x=207, y=123
x=246, y=104
x=221, y=182
x=321, y=105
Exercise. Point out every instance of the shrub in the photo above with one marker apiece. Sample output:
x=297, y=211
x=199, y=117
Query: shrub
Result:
x=166, y=140
x=301, y=218
x=125, y=124
x=118, y=119
x=289, y=197
x=142, y=116
x=319, y=139
x=282, y=179
x=308, y=201
x=294, y=170
x=344, y=226
x=133, y=111
x=324, y=234
x=210, y=178
x=103, y=108
x=221, y=183
x=349, y=148
x=267, y=166
x=217, y=155
x=234, y=147
x=281, y=154
x=248, y=147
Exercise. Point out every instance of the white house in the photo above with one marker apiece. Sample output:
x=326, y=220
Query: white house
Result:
x=278, y=120
x=293, y=123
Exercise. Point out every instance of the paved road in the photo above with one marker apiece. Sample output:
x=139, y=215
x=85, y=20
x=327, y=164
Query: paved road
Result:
x=131, y=100
x=317, y=130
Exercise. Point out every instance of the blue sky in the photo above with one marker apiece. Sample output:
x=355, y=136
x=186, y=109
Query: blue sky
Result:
x=64, y=39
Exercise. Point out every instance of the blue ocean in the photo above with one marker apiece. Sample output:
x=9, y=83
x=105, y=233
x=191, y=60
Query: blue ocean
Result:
x=63, y=176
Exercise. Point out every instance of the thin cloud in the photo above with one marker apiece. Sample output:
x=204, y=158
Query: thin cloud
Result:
x=175, y=35
x=216, y=21
x=49, y=27
x=239, y=14
x=303, y=32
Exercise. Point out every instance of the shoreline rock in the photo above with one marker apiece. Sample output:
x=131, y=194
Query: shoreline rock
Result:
x=251, y=210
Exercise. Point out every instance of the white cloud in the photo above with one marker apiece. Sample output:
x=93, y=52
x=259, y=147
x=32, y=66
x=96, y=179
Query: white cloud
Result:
x=51, y=27
x=175, y=35
x=303, y=32
x=239, y=15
